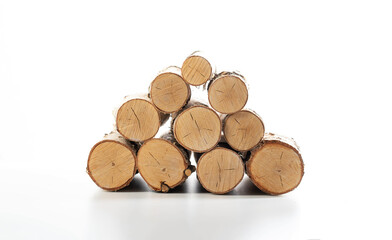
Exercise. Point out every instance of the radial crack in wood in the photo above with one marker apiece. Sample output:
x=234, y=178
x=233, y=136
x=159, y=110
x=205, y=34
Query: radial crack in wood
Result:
x=227, y=93
x=138, y=119
x=197, y=128
x=196, y=70
x=220, y=170
x=173, y=163
x=276, y=166
x=112, y=162
x=243, y=130
x=169, y=92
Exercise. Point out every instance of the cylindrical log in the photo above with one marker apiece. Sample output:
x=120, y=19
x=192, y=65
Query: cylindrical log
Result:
x=196, y=70
x=243, y=130
x=276, y=166
x=169, y=92
x=112, y=162
x=220, y=170
x=197, y=127
x=138, y=119
x=227, y=92
x=163, y=163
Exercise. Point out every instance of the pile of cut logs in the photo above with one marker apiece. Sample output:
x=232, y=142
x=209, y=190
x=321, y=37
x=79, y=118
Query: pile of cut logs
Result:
x=226, y=140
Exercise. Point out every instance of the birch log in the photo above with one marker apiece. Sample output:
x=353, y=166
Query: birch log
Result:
x=169, y=92
x=220, y=170
x=197, y=127
x=276, y=166
x=196, y=70
x=112, y=162
x=227, y=92
x=138, y=119
x=243, y=130
x=163, y=163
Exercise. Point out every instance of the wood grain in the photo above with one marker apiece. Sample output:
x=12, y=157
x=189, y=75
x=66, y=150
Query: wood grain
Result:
x=276, y=166
x=139, y=120
x=169, y=92
x=243, y=130
x=197, y=128
x=196, y=70
x=163, y=164
x=227, y=93
x=220, y=170
x=112, y=162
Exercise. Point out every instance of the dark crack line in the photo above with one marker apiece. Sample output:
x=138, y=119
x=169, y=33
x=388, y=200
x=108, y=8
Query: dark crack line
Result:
x=280, y=159
x=138, y=121
x=219, y=180
x=235, y=119
x=154, y=158
x=186, y=135
x=198, y=128
x=281, y=182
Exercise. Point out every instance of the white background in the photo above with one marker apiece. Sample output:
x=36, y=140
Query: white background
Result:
x=319, y=71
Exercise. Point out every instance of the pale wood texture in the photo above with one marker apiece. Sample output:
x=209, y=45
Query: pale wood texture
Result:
x=138, y=119
x=243, y=130
x=163, y=163
x=197, y=127
x=169, y=92
x=227, y=93
x=276, y=166
x=196, y=70
x=220, y=170
x=112, y=162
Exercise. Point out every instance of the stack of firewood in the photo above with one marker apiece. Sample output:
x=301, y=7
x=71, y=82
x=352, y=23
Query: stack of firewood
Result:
x=226, y=139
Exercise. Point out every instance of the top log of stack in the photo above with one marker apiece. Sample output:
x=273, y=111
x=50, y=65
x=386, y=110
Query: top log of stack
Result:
x=274, y=164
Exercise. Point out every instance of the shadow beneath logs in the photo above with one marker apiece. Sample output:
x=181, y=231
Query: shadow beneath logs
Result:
x=137, y=185
x=192, y=185
x=183, y=188
x=199, y=188
x=247, y=188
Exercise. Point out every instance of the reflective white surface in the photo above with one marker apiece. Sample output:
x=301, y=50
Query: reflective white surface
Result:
x=65, y=212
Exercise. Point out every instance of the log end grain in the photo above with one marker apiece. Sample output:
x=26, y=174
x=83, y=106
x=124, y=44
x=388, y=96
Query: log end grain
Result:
x=220, y=170
x=227, y=94
x=243, y=130
x=197, y=128
x=196, y=70
x=161, y=164
x=169, y=92
x=138, y=120
x=276, y=167
x=111, y=165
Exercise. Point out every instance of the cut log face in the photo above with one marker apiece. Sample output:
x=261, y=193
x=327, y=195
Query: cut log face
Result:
x=197, y=128
x=220, y=170
x=112, y=163
x=243, y=130
x=276, y=167
x=196, y=70
x=162, y=164
x=169, y=92
x=138, y=120
x=227, y=93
